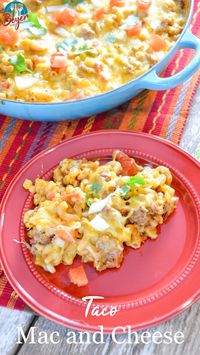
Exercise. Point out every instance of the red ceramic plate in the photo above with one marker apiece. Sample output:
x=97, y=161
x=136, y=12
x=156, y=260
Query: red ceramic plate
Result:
x=153, y=284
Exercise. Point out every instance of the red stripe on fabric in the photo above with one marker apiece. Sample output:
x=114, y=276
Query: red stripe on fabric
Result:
x=80, y=127
x=20, y=305
x=6, y=294
x=2, y=120
x=98, y=124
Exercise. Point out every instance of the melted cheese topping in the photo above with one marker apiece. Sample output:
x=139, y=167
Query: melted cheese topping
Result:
x=73, y=49
x=64, y=223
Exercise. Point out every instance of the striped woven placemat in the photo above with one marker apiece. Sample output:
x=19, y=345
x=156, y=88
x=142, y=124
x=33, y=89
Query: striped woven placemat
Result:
x=161, y=113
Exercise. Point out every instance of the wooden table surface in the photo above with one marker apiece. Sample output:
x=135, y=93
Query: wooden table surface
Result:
x=188, y=322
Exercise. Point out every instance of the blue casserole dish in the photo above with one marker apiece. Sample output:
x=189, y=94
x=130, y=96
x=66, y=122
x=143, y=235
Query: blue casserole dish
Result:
x=82, y=108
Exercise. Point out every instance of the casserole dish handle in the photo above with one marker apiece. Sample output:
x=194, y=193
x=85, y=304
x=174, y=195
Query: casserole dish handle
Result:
x=154, y=82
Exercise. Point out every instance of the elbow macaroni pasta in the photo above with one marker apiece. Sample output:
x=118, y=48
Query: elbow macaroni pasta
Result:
x=64, y=222
x=75, y=48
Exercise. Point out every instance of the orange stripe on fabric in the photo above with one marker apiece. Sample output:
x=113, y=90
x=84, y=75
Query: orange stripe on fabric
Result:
x=89, y=124
x=3, y=282
x=60, y=131
x=141, y=119
x=63, y=129
x=11, y=138
x=184, y=111
x=12, y=301
x=128, y=115
x=4, y=127
x=132, y=110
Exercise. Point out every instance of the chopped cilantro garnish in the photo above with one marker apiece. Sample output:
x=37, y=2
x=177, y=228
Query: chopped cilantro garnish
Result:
x=73, y=3
x=135, y=180
x=96, y=187
x=19, y=64
x=132, y=182
x=36, y=28
x=82, y=48
x=73, y=45
x=124, y=190
x=111, y=38
x=67, y=45
x=88, y=199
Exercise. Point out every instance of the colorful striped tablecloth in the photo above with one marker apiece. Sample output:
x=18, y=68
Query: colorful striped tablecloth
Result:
x=161, y=113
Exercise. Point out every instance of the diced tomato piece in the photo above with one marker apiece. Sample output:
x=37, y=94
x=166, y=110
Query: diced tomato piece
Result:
x=51, y=196
x=128, y=164
x=78, y=276
x=143, y=4
x=58, y=60
x=65, y=17
x=8, y=36
x=67, y=234
x=73, y=197
x=157, y=43
x=134, y=31
x=99, y=13
x=116, y=3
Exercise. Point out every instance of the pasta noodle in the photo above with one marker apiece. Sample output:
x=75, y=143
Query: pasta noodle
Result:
x=95, y=210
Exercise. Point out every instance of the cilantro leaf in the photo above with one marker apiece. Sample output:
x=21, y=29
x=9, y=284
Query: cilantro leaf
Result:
x=19, y=64
x=111, y=38
x=33, y=19
x=132, y=182
x=36, y=28
x=96, y=187
x=135, y=180
x=73, y=3
x=67, y=45
x=1, y=48
x=124, y=190
x=73, y=45
x=82, y=48
x=88, y=199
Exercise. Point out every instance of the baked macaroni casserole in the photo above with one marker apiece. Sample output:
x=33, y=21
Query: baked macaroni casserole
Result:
x=72, y=49
x=95, y=210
